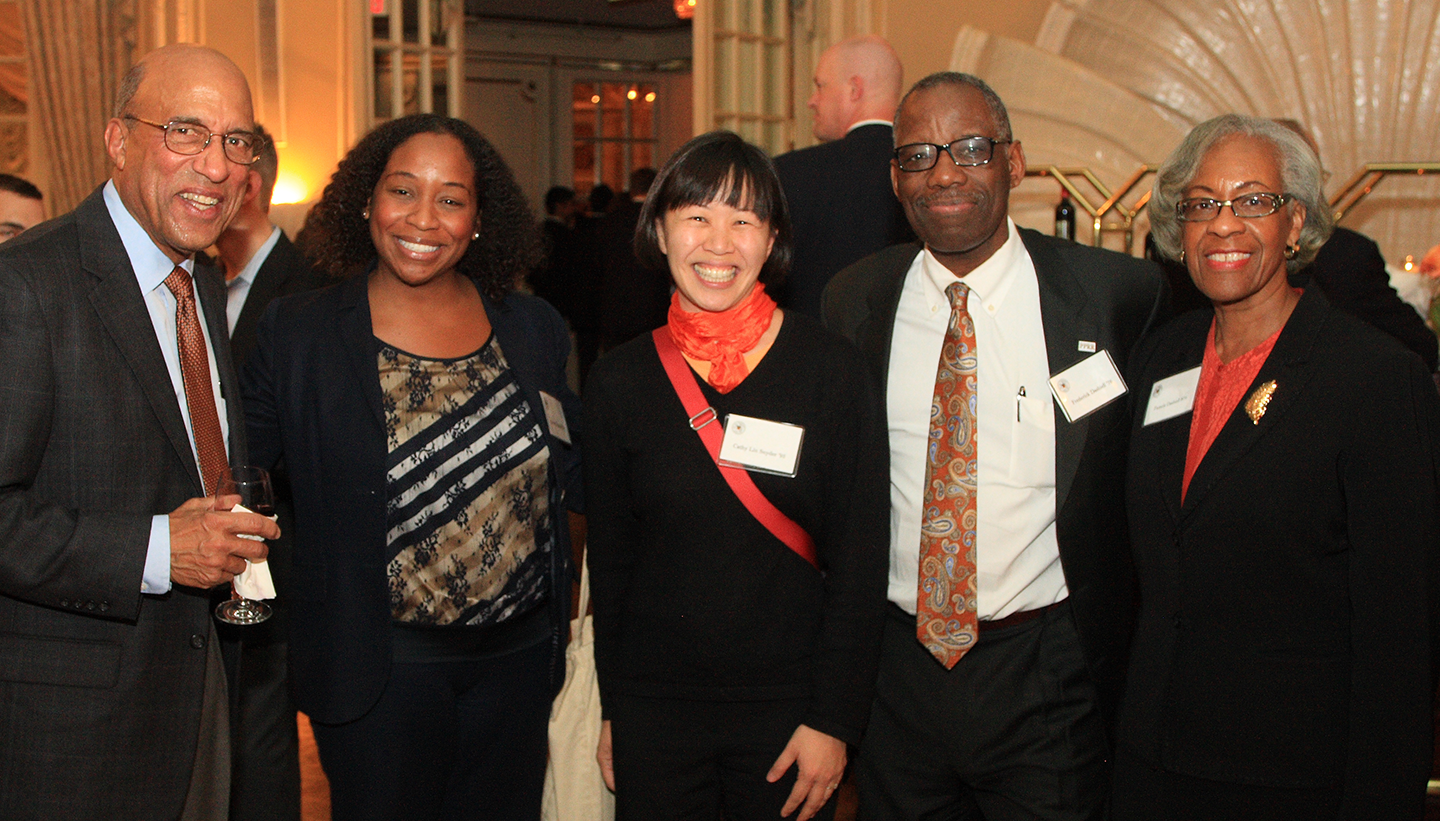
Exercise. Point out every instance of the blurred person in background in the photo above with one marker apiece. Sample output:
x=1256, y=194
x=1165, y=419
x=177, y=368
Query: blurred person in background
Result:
x=22, y=206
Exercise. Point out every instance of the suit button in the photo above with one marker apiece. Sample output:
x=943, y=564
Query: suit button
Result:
x=90, y=605
x=197, y=641
x=104, y=606
x=64, y=602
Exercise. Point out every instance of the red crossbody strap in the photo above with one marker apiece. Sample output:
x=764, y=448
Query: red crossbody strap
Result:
x=701, y=416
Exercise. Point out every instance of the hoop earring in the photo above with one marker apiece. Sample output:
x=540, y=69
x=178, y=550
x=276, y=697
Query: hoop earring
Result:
x=1291, y=251
x=1182, y=256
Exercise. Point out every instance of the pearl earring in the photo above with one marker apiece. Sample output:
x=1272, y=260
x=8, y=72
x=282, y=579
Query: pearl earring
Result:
x=365, y=214
x=475, y=235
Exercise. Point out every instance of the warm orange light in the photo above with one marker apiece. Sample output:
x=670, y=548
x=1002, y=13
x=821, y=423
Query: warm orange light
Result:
x=289, y=188
x=632, y=94
x=685, y=9
x=595, y=99
x=650, y=98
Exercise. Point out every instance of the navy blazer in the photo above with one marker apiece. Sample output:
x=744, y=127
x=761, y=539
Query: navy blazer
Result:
x=312, y=395
x=842, y=209
x=1285, y=634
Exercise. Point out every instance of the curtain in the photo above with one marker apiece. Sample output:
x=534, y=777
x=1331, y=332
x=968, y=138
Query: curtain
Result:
x=12, y=75
x=78, y=50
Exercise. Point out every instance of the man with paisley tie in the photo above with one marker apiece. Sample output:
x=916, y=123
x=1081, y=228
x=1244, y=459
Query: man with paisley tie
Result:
x=1000, y=350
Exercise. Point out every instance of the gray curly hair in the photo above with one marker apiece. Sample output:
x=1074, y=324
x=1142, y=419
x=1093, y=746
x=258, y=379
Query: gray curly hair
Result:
x=1300, y=177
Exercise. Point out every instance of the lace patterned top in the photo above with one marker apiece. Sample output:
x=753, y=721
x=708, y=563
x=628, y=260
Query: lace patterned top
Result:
x=468, y=490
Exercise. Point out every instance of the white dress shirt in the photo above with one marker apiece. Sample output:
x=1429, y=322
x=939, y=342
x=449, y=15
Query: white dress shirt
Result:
x=237, y=288
x=1017, y=557
x=151, y=267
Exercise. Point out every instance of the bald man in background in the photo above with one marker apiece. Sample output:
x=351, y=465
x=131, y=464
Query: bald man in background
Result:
x=842, y=207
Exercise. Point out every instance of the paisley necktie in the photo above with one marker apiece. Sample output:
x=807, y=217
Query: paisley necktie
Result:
x=945, y=604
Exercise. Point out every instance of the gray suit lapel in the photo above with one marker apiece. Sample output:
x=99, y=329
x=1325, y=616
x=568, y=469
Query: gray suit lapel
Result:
x=120, y=308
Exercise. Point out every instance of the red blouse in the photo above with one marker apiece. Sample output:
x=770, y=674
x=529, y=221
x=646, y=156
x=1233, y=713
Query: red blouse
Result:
x=1222, y=386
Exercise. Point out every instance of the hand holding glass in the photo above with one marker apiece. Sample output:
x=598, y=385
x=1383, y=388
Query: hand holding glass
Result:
x=252, y=485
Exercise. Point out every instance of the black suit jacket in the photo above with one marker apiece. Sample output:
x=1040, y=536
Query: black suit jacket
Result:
x=1285, y=634
x=842, y=208
x=100, y=687
x=1350, y=269
x=283, y=272
x=1086, y=294
x=634, y=300
x=312, y=395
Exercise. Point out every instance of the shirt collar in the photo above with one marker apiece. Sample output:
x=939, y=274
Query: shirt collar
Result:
x=150, y=264
x=864, y=123
x=991, y=279
x=247, y=274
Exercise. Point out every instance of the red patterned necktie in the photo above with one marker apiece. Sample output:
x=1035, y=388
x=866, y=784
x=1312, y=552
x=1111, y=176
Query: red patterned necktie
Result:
x=945, y=604
x=199, y=393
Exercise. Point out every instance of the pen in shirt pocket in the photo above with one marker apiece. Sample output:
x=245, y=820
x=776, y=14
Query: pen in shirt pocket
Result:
x=1018, y=397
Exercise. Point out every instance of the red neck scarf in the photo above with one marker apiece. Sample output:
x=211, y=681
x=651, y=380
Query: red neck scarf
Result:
x=722, y=337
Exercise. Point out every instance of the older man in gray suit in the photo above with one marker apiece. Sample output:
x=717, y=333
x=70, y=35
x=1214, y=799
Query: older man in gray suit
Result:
x=118, y=413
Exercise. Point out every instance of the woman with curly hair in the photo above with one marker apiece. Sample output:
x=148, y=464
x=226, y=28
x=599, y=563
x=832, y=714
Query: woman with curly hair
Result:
x=420, y=408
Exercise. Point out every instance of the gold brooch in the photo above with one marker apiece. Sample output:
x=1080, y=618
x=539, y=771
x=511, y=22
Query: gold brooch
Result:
x=1259, y=400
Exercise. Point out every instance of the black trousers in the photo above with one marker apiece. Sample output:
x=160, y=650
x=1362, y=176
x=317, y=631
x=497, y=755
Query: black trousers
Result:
x=700, y=760
x=1011, y=732
x=265, y=742
x=1144, y=792
x=463, y=739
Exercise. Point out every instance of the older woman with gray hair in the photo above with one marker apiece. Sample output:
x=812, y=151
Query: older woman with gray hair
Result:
x=1283, y=514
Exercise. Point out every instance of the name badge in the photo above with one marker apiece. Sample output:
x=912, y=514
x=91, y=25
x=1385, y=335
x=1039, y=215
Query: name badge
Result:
x=1172, y=396
x=762, y=445
x=555, y=417
x=1087, y=386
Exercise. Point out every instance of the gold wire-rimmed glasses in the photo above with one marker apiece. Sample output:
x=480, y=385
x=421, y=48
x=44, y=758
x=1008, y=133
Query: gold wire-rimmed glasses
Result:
x=241, y=147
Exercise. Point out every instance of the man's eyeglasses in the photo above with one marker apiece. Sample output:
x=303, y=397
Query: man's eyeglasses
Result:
x=241, y=147
x=1250, y=206
x=967, y=152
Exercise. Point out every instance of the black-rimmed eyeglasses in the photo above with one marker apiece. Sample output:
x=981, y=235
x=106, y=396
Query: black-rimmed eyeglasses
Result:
x=967, y=152
x=1249, y=206
x=241, y=147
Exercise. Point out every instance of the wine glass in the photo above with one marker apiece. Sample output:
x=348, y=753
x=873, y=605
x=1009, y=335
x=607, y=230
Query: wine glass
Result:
x=253, y=486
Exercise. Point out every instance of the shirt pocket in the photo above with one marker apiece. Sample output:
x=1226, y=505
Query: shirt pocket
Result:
x=1032, y=437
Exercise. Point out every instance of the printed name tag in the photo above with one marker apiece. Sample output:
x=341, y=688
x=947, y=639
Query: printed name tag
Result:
x=555, y=417
x=1172, y=396
x=1087, y=386
x=759, y=444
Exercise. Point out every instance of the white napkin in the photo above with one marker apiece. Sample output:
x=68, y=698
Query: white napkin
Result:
x=255, y=581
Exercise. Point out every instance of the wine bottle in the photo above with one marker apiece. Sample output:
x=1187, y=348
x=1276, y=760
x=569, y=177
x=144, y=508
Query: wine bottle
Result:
x=1065, y=218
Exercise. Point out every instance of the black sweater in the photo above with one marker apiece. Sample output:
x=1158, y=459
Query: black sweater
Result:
x=694, y=598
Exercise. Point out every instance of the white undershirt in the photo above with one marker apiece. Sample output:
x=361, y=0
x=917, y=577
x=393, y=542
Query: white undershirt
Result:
x=1017, y=557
